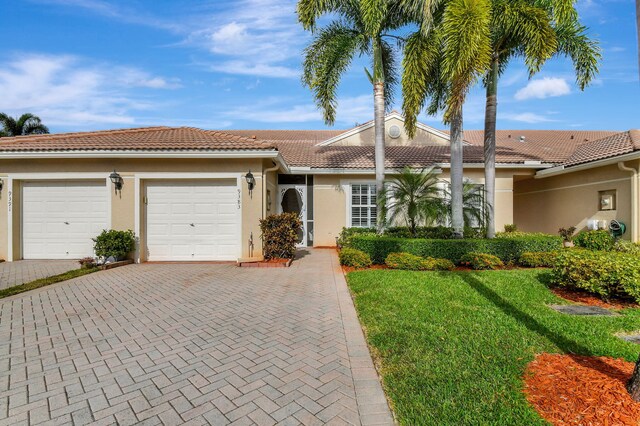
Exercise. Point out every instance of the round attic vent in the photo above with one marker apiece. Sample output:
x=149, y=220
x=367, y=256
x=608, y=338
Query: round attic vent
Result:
x=394, y=132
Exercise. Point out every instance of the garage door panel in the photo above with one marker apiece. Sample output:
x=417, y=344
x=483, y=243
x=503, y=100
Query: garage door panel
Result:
x=59, y=218
x=182, y=203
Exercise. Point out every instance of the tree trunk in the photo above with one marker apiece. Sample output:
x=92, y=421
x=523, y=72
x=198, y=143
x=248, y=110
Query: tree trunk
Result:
x=456, y=137
x=491, y=111
x=378, y=110
x=633, y=385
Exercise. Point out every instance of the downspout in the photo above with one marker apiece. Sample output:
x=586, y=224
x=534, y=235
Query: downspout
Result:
x=634, y=199
x=264, y=188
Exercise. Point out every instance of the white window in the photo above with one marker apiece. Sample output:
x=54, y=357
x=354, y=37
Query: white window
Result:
x=363, y=211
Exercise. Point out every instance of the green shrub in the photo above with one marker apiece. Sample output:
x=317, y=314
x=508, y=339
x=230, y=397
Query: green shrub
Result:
x=521, y=234
x=509, y=228
x=595, y=240
x=625, y=246
x=605, y=274
x=567, y=233
x=354, y=258
x=437, y=232
x=411, y=262
x=481, y=261
x=344, y=238
x=280, y=235
x=538, y=259
x=116, y=244
x=507, y=249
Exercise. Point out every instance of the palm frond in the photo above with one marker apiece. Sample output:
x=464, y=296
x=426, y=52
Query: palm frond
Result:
x=309, y=11
x=390, y=70
x=584, y=52
x=326, y=59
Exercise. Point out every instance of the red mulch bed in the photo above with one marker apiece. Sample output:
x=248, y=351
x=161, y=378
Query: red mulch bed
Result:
x=347, y=269
x=591, y=300
x=581, y=390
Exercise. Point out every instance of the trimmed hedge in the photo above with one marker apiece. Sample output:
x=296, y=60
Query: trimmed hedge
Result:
x=507, y=249
x=354, y=258
x=481, y=261
x=605, y=274
x=280, y=235
x=411, y=262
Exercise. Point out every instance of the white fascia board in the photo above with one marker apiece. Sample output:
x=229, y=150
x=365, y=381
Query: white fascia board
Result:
x=142, y=154
x=310, y=171
x=558, y=170
x=339, y=171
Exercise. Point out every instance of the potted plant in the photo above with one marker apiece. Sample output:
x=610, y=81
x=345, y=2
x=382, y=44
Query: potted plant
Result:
x=567, y=235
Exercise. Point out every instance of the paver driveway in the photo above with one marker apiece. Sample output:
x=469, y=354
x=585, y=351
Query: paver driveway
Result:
x=197, y=343
x=24, y=271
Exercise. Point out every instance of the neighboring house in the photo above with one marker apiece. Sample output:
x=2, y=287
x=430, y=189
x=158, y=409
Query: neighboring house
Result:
x=186, y=195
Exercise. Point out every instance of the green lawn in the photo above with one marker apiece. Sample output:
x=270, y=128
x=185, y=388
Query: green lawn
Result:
x=452, y=346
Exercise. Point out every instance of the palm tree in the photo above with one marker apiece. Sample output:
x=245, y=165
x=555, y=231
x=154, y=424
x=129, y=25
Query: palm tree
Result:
x=26, y=124
x=419, y=198
x=361, y=27
x=526, y=29
x=414, y=197
x=442, y=61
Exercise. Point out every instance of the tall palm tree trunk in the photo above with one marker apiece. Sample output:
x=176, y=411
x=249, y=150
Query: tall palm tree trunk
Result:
x=491, y=112
x=456, y=137
x=378, y=117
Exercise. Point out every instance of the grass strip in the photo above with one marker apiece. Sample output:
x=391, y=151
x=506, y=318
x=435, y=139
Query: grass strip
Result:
x=42, y=282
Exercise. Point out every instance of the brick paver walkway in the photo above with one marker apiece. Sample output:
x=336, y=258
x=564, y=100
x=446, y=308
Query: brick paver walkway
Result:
x=24, y=271
x=189, y=343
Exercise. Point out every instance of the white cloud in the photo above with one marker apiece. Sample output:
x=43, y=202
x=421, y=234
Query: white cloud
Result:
x=64, y=91
x=543, y=88
x=351, y=110
x=254, y=69
x=526, y=117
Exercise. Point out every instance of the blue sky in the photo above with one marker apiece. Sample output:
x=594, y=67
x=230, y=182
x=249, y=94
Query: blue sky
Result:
x=103, y=64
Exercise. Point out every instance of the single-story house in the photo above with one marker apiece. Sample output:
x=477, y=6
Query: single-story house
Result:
x=186, y=194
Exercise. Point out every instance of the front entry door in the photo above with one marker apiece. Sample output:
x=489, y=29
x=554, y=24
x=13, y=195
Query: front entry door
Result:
x=293, y=199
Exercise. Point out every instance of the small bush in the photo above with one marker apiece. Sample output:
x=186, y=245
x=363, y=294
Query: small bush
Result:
x=538, y=259
x=280, y=235
x=567, y=233
x=411, y=262
x=595, y=240
x=510, y=228
x=437, y=232
x=507, y=249
x=87, y=263
x=624, y=246
x=606, y=274
x=354, y=258
x=481, y=261
x=522, y=234
x=116, y=244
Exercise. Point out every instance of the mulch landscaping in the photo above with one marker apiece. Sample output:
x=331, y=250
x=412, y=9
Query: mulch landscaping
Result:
x=591, y=300
x=581, y=390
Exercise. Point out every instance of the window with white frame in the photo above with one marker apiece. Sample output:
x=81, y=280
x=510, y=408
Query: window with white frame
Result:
x=363, y=212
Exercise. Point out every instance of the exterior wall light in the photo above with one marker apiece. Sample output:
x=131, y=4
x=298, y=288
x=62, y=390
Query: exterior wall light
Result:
x=117, y=181
x=251, y=181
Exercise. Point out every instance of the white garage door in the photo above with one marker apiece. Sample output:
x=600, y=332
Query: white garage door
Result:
x=60, y=218
x=192, y=220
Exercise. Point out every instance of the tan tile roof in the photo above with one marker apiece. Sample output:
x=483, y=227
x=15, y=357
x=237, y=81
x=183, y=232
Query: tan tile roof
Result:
x=148, y=138
x=611, y=146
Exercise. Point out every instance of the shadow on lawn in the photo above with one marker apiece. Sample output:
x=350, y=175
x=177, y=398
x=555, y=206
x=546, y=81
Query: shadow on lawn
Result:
x=566, y=345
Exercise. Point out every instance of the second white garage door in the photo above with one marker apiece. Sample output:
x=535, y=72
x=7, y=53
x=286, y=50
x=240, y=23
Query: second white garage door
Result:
x=192, y=220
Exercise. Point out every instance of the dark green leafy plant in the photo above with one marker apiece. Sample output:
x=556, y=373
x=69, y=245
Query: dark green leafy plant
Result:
x=116, y=244
x=606, y=274
x=510, y=228
x=538, y=259
x=411, y=262
x=280, y=233
x=507, y=249
x=481, y=261
x=595, y=240
x=354, y=258
x=625, y=246
x=344, y=238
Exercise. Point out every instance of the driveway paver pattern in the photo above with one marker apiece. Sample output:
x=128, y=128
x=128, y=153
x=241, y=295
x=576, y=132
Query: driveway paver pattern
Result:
x=190, y=343
x=24, y=271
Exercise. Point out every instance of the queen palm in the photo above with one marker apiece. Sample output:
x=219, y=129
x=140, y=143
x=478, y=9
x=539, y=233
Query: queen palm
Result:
x=26, y=124
x=360, y=28
x=442, y=60
x=534, y=31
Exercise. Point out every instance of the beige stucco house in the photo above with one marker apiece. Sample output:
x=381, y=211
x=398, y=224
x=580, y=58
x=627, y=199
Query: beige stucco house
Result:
x=185, y=191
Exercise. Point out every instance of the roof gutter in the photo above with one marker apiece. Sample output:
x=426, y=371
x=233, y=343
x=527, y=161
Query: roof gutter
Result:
x=559, y=170
x=192, y=153
x=346, y=171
